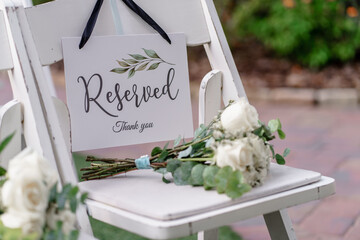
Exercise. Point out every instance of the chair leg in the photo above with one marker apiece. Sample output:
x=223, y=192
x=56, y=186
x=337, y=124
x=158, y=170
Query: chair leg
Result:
x=211, y=234
x=279, y=225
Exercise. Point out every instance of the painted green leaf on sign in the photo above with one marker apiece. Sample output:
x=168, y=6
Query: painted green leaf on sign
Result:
x=151, y=53
x=153, y=66
x=131, y=72
x=137, y=56
x=119, y=70
x=123, y=64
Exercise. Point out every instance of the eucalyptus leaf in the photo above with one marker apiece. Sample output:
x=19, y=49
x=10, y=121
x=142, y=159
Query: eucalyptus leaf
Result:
x=138, y=56
x=151, y=53
x=166, y=146
x=163, y=171
x=163, y=156
x=259, y=131
x=209, y=142
x=272, y=150
x=73, y=192
x=280, y=159
x=165, y=180
x=59, y=232
x=2, y=171
x=179, y=179
x=198, y=149
x=119, y=70
x=131, y=72
x=74, y=235
x=123, y=64
x=282, y=135
x=286, y=152
x=172, y=165
x=209, y=176
x=177, y=141
x=2, y=182
x=142, y=67
x=274, y=125
x=199, y=131
x=196, y=178
x=73, y=204
x=185, y=153
x=83, y=197
x=221, y=178
x=235, y=186
x=63, y=196
x=153, y=66
x=6, y=141
x=155, y=151
x=53, y=192
x=183, y=173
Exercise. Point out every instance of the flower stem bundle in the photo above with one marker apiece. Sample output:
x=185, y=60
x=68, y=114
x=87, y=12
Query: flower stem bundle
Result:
x=232, y=154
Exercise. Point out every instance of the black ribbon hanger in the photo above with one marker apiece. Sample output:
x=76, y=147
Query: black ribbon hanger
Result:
x=134, y=7
x=90, y=24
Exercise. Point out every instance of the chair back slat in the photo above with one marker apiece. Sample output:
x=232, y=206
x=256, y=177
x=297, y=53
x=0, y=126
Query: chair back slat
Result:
x=67, y=18
x=6, y=62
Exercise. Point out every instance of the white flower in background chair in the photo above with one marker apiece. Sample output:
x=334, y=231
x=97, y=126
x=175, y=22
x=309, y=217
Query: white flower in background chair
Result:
x=25, y=194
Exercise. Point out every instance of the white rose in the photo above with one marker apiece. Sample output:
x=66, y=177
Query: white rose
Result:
x=29, y=158
x=249, y=155
x=25, y=194
x=236, y=154
x=66, y=216
x=240, y=116
x=29, y=222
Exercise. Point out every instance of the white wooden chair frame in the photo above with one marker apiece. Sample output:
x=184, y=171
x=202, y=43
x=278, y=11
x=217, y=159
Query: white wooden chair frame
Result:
x=46, y=122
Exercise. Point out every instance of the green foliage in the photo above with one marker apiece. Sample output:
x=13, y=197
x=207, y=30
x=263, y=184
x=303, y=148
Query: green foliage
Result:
x=225, y=180
x=68, y=194
x=311, y=32
x=6, y=141
x=14, y=234
x=3, y=144
x=266, y=133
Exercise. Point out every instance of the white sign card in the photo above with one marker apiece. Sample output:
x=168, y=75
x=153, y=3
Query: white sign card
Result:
x=124, y=90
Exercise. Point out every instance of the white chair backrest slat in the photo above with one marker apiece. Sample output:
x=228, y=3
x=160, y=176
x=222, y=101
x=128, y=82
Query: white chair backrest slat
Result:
x=6, y=62
x=10, y=122
x=67, y=18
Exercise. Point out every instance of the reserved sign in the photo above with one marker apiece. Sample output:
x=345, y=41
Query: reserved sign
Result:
x=124, y=90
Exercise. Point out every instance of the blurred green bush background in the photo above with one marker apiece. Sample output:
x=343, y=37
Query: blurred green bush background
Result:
x=311, y=32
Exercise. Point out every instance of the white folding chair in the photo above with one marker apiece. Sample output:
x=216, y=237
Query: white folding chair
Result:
x=24, y=115
x=177, y=211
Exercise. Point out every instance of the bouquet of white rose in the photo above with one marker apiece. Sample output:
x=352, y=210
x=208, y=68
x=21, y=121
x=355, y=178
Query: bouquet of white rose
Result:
x=32, y=206
x=231, y=154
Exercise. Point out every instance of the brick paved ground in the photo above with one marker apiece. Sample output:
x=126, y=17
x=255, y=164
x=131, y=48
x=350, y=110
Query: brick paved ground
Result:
x=326, y=140
x=322, y=139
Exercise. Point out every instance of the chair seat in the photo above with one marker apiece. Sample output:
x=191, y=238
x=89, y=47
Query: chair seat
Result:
x=143, y=192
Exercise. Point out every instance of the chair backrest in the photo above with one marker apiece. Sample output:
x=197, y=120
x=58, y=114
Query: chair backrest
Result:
x=43, y=26
x=6, y=62
x=10, y=113
x=26, y=98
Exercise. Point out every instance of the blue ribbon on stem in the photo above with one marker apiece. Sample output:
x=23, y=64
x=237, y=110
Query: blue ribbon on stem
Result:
x=143, y=162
